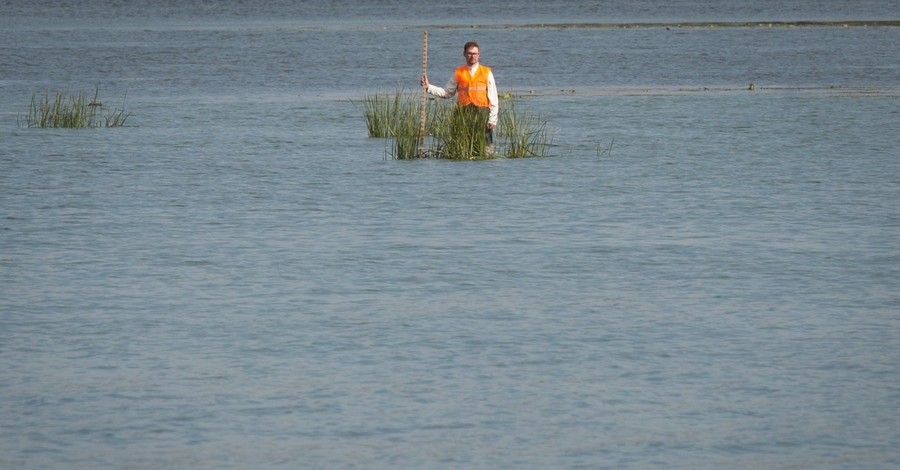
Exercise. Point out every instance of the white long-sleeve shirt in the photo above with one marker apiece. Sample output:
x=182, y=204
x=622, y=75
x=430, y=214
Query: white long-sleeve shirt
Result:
x=450, y=89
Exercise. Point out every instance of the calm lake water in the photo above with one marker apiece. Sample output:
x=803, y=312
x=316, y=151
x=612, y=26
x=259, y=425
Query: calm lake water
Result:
x=239, y=278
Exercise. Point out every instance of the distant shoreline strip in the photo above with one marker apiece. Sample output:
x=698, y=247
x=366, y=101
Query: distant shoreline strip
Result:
x=687, y=24
x=882, y=91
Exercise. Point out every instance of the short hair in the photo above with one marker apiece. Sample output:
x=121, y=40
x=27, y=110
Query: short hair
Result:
x=471, y=44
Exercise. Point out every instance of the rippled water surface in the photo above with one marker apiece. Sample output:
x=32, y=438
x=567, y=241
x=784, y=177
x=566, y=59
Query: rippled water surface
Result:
x=700, y=276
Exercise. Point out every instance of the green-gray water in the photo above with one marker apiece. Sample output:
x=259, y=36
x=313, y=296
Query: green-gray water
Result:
x=238, y=278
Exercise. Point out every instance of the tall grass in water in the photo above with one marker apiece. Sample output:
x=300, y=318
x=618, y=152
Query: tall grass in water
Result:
x=405, y=132
x=455, y=133
x=74, y=111
x=522, y=133
x=394, y=116
x=380, y=111
x=461, y=133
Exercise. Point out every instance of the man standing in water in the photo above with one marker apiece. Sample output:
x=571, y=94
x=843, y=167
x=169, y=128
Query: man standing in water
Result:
x=474, y=86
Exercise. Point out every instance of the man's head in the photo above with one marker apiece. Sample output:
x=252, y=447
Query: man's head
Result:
x=471, y=52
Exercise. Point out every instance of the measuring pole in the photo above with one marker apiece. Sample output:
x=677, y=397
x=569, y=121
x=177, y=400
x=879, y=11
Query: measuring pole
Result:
x=424, y=88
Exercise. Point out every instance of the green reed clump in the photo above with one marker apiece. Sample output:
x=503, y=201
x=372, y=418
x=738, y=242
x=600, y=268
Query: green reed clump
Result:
x=523, y=133
x=405, y=131
x=394, y=116
x=380, y=111
x=461, y=134
x=455, y=133
x=73, y=111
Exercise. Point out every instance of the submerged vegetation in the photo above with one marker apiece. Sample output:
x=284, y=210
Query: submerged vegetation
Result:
x=73, y=111
x=605, y=152
x=453, y=132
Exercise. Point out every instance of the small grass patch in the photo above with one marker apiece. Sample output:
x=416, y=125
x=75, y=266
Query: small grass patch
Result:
x=73, y=111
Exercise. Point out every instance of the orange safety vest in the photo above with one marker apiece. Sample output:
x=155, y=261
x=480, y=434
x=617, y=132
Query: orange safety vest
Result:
x=473, y=90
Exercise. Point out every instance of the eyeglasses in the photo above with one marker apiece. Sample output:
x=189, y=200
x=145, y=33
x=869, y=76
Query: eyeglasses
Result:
x=470, y=53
